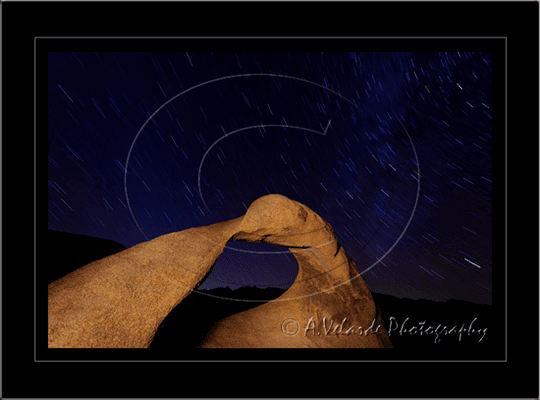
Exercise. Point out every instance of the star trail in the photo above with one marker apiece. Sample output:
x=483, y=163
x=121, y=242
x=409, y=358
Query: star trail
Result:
x=394, y=150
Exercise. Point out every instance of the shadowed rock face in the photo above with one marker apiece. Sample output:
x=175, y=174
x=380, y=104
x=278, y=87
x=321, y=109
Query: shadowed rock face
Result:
x=120, y=301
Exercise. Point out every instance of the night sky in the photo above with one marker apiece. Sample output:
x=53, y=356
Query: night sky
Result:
x=343, y=133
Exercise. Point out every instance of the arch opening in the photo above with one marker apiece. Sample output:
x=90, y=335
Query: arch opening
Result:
x=237, y=282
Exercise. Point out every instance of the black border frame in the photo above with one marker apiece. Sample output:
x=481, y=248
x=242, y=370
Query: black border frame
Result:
x=496, y=46
x=517, y=22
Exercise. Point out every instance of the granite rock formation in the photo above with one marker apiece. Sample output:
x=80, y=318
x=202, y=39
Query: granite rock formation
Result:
x=120, y=301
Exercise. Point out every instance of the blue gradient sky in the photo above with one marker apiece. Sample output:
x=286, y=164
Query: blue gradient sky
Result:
x=361, y=176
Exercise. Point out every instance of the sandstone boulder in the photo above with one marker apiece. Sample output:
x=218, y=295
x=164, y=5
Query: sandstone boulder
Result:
x=120, y=301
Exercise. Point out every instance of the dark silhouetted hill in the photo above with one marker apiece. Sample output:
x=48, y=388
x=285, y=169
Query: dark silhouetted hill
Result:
x=402, y=315
x=65, y=252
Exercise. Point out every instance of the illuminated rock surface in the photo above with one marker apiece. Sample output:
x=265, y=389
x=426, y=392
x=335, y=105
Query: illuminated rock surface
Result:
x=120, y=301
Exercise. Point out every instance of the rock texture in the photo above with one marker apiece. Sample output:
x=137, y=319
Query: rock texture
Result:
x=120, y=301
x=326, y=300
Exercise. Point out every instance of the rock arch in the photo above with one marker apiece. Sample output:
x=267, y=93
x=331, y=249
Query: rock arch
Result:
x=120, y=301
